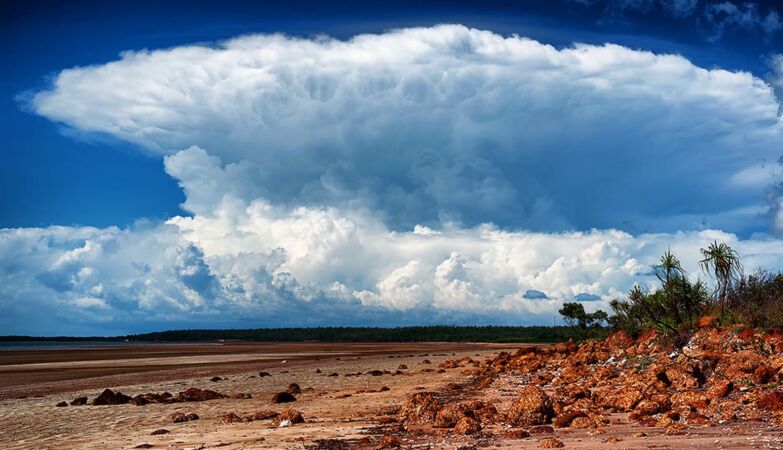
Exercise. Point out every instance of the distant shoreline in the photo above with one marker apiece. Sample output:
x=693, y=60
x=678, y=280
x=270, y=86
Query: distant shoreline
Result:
x=439, y=333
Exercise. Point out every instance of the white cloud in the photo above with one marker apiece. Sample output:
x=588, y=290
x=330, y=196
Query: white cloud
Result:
x=249, y=263
x=441, y=125
x=727, y=15
x=420, y=176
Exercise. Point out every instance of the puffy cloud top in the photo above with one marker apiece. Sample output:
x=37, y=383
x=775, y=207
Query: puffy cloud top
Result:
x=448, y=124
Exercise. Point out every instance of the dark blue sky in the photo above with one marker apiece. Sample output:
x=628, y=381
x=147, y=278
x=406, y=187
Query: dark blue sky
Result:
x=47, y=177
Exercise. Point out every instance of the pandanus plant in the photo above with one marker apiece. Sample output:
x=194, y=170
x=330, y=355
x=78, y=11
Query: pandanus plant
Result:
x=723, y=264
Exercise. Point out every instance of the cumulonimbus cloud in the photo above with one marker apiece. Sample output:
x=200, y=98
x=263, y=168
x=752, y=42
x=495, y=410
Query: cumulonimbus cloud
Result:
x=449, y=124
x=429, y=175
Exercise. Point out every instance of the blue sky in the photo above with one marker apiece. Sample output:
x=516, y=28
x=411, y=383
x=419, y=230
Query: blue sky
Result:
x=168, y=166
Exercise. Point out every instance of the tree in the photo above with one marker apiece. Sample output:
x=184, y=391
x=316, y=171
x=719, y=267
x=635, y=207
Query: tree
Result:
x=575, y=316
x=670, y=309
x=722, y=263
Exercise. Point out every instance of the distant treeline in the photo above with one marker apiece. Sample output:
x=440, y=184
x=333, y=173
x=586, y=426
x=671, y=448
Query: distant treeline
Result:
x=532, y=334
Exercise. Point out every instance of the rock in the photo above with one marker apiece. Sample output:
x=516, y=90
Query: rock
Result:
x=384, y=389
x=159, y=432
x=61, y=404
x=582, y=423
x=317, y=370
x=229, y=418
x=240, y=396
x=697, y=419
x=720, y=389
x=532, y=407
x=772, y=401
x=763, y=374
x=541, y=429
x=646, y=408
x=516, y=434
x=388, y=441
x=564, y=420
x=139, y=400
x=283, y=397
x=333, y=374
x=449, y=415
x=467, y=425
x=419, y=408
x=179, y=417
x=426, y=361
x=215, y=379
x=402, y=367
x=109, y=397
x=263, y=374
x=551, y=443
x=483, y=411
x=144, y=445
x=291, y=416
x=294, y=388
x=263, y=415
x=375, y=373
x=198, y=395
x=78, y=401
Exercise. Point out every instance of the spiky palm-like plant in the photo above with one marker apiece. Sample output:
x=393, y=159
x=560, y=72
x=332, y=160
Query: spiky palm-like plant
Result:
x=723, y=264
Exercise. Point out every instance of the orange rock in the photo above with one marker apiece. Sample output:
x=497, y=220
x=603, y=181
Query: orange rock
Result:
x=551, y=443
x=772, y=401
x=720, y=389
x=565, y=419
x=449, y=415
x=419, y=408
x=290, y=417
x=388, y=441
x=532, y=407
x=467, y=425
x=228, y=418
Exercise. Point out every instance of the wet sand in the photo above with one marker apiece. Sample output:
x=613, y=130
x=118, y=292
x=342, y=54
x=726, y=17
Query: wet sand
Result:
x=41, y=372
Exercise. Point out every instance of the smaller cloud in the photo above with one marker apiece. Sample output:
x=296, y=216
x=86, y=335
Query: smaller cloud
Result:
x=533, y=294
x=585, y=297
x=775, y=76
x=720, y=17
x=728, y=16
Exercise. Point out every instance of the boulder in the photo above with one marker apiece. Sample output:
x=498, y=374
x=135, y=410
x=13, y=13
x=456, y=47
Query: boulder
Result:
x=283, y=397
x=198, y=395
x=532, y=407
x=449, y=415
x=720, y=389
x=179, y=417
x=564, y=420
x=467, y=425
x=263, y=415
x=772, y=401
x=228, y=418
x=78, y=401
x=289, y=417
x=419, y=408
x=551, y=443
x=109, y=397
x=294, y=388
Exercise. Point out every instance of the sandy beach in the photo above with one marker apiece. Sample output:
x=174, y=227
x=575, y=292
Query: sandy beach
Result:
x=340, y=411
